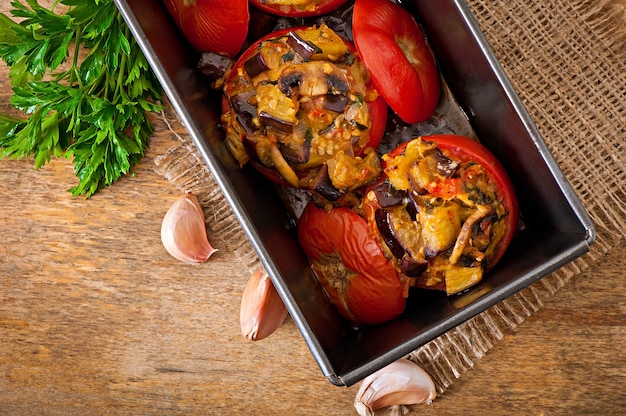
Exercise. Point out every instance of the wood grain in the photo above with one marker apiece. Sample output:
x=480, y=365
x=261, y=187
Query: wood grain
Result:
x=96, y=318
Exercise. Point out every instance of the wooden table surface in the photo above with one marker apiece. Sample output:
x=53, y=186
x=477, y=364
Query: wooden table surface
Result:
x=96, y=318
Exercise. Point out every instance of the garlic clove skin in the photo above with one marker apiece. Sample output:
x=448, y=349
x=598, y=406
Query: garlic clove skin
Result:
x=402, y=382
x=183, y=231
x=262, y=310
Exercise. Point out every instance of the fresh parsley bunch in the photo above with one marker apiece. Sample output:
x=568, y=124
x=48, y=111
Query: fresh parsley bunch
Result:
x=83, y=86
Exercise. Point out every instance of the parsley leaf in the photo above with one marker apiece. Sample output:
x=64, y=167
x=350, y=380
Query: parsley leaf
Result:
x=83, y=87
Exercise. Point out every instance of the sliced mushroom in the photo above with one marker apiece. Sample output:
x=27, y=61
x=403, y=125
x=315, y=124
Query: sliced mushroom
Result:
x=482, y=234
x=336, y=80
x=465, y=232
x=289, y=81
x=313, y=79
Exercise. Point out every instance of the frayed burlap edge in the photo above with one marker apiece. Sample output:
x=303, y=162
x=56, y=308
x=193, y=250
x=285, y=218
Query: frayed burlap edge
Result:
x=607, y=18
x=454, y=353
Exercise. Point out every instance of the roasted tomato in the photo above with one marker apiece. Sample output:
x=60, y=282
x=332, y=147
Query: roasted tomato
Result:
x=209, y=25
x=401, y=63
x=355, y=273
x=298, y=105
x=444, y=211
x=298, y=8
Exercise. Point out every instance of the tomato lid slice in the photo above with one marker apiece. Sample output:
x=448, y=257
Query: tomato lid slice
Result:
x=401, y=64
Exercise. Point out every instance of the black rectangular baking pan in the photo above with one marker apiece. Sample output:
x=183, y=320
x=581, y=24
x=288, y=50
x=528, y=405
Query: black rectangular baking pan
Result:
x=557, y=228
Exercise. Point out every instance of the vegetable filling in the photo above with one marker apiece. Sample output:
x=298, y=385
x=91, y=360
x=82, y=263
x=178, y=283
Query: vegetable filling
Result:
x=298, y=105
x=439, y=217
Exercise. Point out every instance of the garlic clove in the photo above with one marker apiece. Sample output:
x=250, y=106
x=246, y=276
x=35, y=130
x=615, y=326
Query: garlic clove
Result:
x=402, y=382
x=183, y=231
x=262, y=310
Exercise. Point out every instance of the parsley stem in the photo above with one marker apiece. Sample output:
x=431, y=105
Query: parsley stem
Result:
x=122, y=66
x=9, y=118
x=120, y=76
x=74, y=76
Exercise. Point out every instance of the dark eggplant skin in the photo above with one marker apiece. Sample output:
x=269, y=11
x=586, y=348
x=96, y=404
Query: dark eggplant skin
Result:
x=214, y=65
x=323, y=185
x=296, y=155
x=334, y=102
x=255, y=65
x=446, y=167
x=412, y=267
x=245, y=111
x=383, y=222
x=302, y=47
x=251, y=148
x=413, y=208
x=275, y=122
x=387, y=196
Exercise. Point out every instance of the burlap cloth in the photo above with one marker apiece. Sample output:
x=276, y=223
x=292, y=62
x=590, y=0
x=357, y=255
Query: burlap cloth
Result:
x=567, y=61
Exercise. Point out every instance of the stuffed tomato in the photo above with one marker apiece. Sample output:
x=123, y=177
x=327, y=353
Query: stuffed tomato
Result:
x=354, y=271
x=299, y=107
x=298, y=8
x=442, y=213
